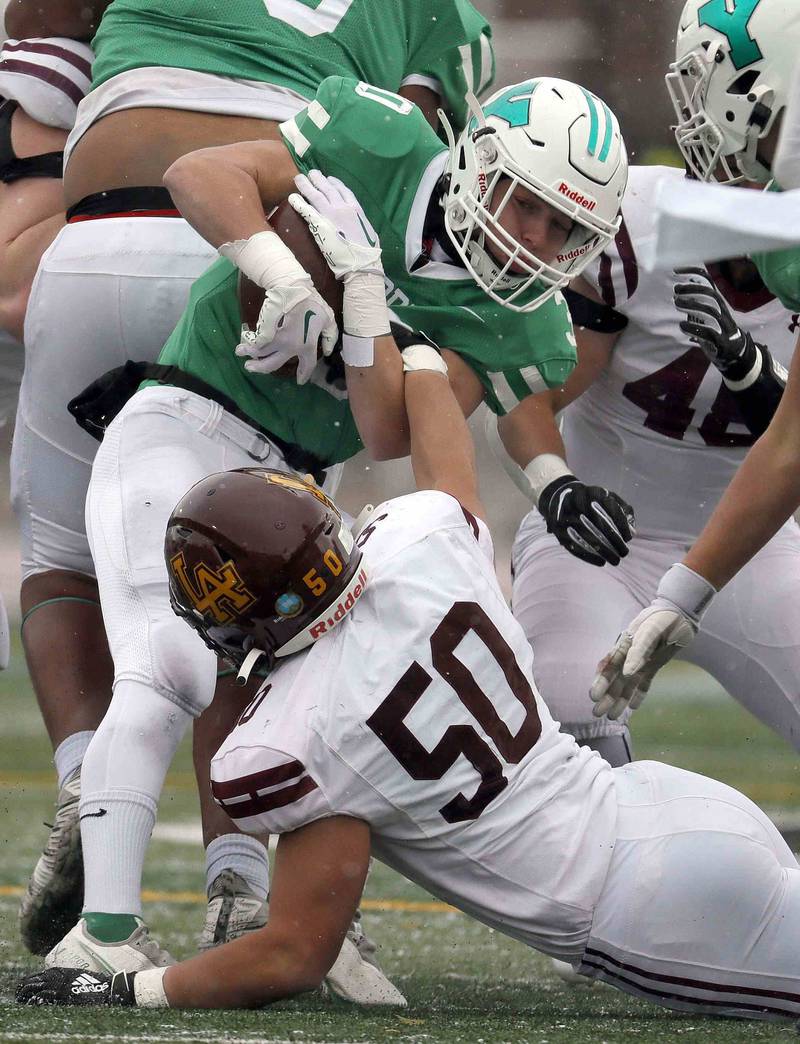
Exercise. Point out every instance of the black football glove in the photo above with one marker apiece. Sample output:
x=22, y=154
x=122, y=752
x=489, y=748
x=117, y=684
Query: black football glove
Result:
x=590, y=522
x=710, y=324
x=73, y=986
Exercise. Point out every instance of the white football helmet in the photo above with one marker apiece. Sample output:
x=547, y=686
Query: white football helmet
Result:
x=560, y=142
x=733, y=66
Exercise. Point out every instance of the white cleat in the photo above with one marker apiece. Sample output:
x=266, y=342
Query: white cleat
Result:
x=568, y=975
x=233, y=910
x=53, y=899
x=79, y=949
x=356, y=976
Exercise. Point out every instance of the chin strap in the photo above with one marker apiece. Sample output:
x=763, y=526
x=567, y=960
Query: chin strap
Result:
x=250, y=661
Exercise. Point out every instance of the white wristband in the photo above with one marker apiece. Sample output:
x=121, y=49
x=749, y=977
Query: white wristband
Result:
x=358, y=351
x=687, y=590
x=265, y=259
x=749, y=378
x=364, y=311
x=148, y=988
x=543, y=470
x=423, y=357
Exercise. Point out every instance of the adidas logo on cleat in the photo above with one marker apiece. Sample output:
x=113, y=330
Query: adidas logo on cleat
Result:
x=87, y=984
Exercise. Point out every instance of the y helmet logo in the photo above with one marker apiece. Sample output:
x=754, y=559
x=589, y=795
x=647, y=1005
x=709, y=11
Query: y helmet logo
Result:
x=733, y=24
x=514, y=106
x=213, y=592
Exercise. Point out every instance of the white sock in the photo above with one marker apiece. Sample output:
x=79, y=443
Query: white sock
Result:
x=245, y=855
x=121, y=780
x=68, y=755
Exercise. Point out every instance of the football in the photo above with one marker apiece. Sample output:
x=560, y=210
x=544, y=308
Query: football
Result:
x=294, y=232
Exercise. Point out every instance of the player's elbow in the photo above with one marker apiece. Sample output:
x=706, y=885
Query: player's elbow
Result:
x=386, y=444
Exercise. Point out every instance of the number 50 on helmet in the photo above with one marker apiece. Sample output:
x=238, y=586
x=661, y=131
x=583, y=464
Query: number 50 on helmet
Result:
x=260, y=563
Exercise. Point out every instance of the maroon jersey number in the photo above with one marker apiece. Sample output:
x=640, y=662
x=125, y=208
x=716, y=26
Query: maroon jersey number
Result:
x=388, y=721
x=666, y=397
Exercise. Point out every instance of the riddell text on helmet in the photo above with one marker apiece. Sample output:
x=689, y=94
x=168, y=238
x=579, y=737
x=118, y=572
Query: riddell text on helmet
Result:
x=342, y=609
x=577, y=197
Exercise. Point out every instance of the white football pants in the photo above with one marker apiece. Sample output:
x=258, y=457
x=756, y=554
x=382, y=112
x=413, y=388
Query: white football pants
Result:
x=700, y=910
x=572, y=613
x=106, y=291
x=161, y=443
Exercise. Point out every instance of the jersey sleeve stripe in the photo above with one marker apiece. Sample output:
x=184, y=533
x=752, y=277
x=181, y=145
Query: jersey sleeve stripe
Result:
x=49, y=76
x=487, y=63
x=64, y=54
x=605, y=282
x=244, y=806
x=295, y=137
x=258, y=780
x=630, y=266
x=466, y=64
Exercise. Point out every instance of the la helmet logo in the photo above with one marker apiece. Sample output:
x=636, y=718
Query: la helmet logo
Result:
x=732, y=22
x=220, y=593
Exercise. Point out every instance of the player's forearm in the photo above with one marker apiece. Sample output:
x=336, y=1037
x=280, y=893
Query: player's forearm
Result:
x=377, y=401
x=75, y=19
x=530, y=430
x=442, y=452
x=224, y=192
x=763, y=495
x=256, y=969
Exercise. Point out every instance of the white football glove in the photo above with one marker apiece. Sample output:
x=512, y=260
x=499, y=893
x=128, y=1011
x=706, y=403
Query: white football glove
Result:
x=291, y=325
x=352, y=250
x=668, y=624
x=337, y=221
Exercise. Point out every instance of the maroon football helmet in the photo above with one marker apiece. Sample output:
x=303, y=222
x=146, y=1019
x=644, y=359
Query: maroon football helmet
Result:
x=260, y=562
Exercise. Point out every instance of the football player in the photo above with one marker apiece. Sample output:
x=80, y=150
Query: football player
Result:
x=41, y=83
x=168, y=78
x=729, y=85
x=211, y=411
x=430, y=748
x=665, y=411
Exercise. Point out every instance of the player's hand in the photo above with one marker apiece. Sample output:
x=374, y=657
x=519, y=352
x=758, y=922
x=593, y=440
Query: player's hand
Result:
x=650, y=641
x=293, y=322
x=76, y=987
x=710, y=324
x=668, y=624
x=592, y=523
x=338, y=223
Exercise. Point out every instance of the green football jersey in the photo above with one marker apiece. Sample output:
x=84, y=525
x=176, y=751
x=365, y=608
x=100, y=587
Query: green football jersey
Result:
x=780, y=270
x=314, y=416
x=298, y=43
x=383, y=149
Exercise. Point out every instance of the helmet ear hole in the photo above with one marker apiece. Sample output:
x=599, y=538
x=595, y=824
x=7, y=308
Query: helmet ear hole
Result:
x=744, y=83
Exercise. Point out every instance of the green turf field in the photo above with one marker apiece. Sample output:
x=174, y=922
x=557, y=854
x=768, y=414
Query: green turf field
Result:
x=464, y=982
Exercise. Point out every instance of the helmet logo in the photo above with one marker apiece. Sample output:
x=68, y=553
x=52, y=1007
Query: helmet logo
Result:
x=482, y=184
x=577, y=197
x=514, y=106
x=733, y=24
x=213, y=592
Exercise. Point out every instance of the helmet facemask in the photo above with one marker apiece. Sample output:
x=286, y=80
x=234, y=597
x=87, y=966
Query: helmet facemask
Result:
x=480, y=162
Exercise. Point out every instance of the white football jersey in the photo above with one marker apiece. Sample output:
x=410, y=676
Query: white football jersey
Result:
x=418, y=714
x=658, y=426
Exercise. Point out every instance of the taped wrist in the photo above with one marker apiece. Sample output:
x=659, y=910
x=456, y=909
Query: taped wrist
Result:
x=423, y=357
x=148, y=988
x=358, y=351
x=545, y=474
x=266, y=260
x=364, y=311
x=743, y=368
x=686, y=591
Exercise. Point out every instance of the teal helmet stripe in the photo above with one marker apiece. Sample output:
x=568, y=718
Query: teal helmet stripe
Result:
x=606, y=147
x=594, y=127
